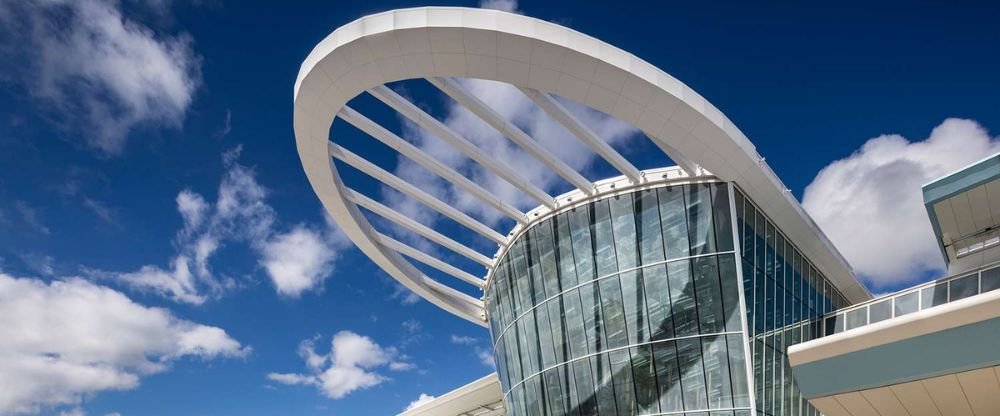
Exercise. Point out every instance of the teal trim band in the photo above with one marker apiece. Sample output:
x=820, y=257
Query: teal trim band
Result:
x=962, y=180
x=950, y=351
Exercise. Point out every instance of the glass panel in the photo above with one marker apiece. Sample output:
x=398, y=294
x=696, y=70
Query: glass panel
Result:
x=963, y=287
x=720, y=394
x=907, y=303
x=583, y=250
x=709, y=295
x=614, y=312
x=730, y=292
x=682, y=298
x=605, y=390
x=737, y=370
x=689, y=359
x=644, y=373
x=934, y=295
x=604, y=248
x=635, y=307
x=674, y=222
x=593, y=319
x=857, y=318
x=649, y=228
x=668, y=377
x=723, y=220
x=991, y=279
x=555, y=393
x=544, y=334
x=661, y=323
x=699, y=211
x=621, y=374
x=585, y=387
x=880, y=311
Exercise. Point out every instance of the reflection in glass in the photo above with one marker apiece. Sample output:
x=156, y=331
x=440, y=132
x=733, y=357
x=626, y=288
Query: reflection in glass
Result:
x=632, y=305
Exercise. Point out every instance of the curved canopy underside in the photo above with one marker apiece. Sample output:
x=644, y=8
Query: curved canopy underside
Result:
x=542, y=59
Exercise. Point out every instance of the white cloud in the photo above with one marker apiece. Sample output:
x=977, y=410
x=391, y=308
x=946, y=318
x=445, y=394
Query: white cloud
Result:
x=102, y=72
x=505, y=5
x=73, y=412
x=484, y=354
x=296, y=261
x=870, y=204
x=353, y=364
x=31, y=217
x=485, y=357
x=403, y=294
x=66, y=340
x=515, y=106
x=463, y=340
x=422, y=400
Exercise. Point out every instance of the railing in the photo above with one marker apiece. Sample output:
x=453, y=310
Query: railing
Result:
x=917, y=298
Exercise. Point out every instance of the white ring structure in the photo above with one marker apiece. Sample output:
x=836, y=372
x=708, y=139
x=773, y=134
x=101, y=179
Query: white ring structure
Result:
x=541, y=59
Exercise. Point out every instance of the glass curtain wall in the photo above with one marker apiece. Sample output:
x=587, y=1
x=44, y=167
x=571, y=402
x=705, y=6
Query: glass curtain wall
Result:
x=628, y=305
x=786, y=298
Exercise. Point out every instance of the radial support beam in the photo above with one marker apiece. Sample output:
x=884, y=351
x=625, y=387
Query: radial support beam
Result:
x=425, y=231
x=429, y=260
x=689, y=166
x=435, y=127
x=404, y=147
x=512, y=132
x=412, y=191
x=556, y=110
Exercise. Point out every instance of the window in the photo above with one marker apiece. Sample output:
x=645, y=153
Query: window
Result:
x=905, y=304
x=963, y=287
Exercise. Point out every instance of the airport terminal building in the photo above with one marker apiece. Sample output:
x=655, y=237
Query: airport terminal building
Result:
x=697, y=289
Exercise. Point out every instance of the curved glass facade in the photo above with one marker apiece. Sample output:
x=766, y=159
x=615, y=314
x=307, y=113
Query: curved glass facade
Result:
x=786, y=298
x=628, y=305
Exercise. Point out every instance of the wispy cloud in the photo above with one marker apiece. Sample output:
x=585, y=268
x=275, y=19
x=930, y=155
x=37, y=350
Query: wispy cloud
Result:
x=227, y=125
x=32, y=219
x=482, y=353
x=505, y=5
x=296, y=260
x=871, y=205
x=97, y=71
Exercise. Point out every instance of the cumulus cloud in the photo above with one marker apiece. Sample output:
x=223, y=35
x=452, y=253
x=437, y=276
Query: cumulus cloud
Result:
x=870, y=204
x=296, y=260
x=102, y=73
x=69, y=339
x=352, y=364
x=422, y=400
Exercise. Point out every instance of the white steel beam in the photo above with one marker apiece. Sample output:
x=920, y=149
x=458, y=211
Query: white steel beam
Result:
x=429, y=260
x=412, y=191
x=404, y=147
x=432, y=125
x=412, y=225
x=556, y=110
x=512, y=132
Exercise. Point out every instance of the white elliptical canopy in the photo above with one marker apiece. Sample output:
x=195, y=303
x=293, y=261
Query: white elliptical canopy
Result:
x=541, y=59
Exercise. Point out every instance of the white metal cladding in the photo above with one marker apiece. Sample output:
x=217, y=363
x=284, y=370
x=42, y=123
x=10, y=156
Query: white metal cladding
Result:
x=540, y=58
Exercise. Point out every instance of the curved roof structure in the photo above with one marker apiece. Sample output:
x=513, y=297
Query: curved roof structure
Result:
x=543, y=60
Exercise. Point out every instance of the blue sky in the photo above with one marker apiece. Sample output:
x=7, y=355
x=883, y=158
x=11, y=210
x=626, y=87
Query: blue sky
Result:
x=134, y=134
